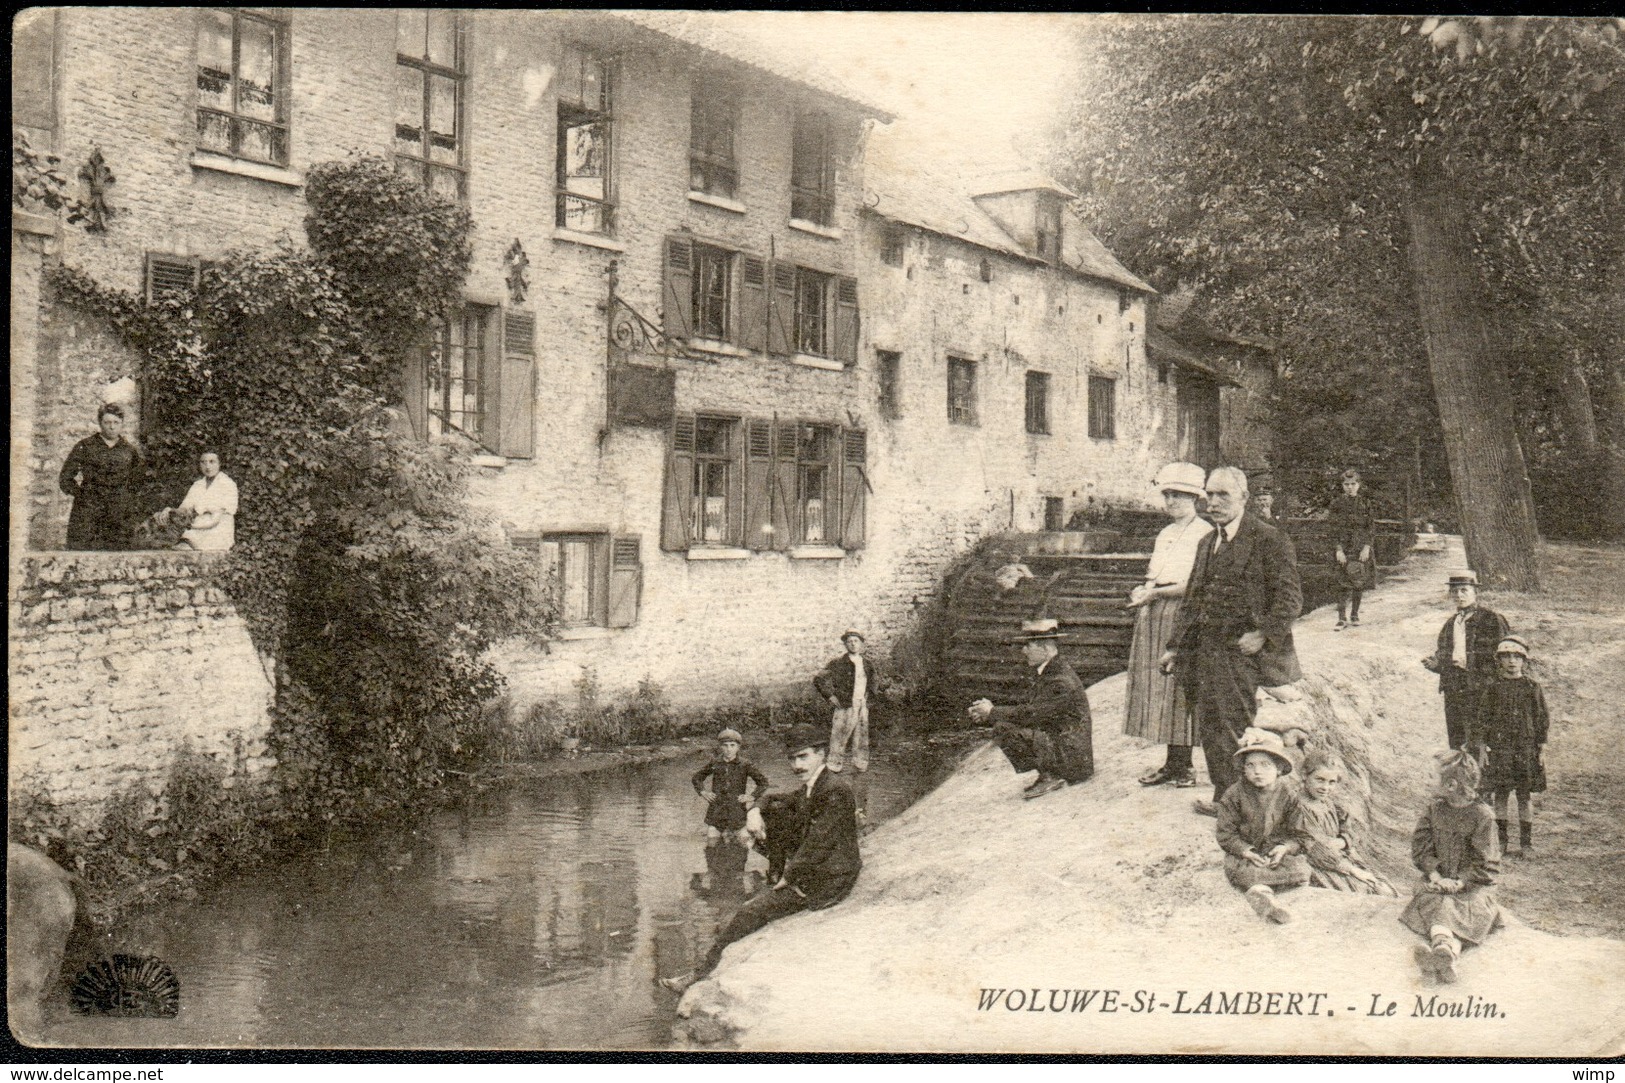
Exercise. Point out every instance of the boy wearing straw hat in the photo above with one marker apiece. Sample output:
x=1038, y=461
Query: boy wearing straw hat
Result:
x=1464, y=657
x=1052, y=731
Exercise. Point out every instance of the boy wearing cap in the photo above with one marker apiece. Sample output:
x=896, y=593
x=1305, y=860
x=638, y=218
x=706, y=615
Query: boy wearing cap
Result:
x=1353, y=527
x=1464, y=657
x=846, y=683
x=1052, y=731
x=825, y=865
x=1508, y=736
x=1255, y=832
x=726, y=804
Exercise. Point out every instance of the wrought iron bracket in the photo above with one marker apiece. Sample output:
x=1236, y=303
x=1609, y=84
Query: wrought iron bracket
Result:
x=630, y=332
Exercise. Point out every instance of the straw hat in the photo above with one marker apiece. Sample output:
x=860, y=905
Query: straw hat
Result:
x=1257, y=740
x=1464, y=579
x=1181, y=478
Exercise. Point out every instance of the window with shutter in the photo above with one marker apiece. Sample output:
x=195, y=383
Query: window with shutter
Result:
x=846, y=321
x=812, y=325
x=854, y=488
x=625, y=580
x=674, y=523
x=712, y=302
x=817, y=492
x=717, y=512
x=1038, y=402
x=782, y=315
x=785, y=436
x=759, y=503
x=1102, y=407
x=961, y=391
x=516, y=399
x=519, y=334
x=170, y=276
x=678, y=298
x=752, y=307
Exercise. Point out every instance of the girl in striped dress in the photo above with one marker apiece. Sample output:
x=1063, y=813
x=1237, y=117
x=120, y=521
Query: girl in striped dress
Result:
x=1156, y=706
x=1321, y=826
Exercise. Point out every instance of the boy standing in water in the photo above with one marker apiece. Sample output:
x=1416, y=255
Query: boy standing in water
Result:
x=726, y=803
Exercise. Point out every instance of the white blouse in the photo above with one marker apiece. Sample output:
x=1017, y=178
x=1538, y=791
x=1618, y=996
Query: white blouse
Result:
x=1175, y=554
x=220, y=497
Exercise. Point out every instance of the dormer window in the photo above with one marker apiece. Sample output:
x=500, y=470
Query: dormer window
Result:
x=1047, y=229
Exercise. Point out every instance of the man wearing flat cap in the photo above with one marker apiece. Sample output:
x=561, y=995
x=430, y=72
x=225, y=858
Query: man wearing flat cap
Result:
x=846, y=684
x=825, y=865
x=1464, y=657
x=1236, y=625
x=1052, y=730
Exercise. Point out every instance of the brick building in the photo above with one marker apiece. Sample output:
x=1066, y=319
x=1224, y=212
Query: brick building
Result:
x=734, y=393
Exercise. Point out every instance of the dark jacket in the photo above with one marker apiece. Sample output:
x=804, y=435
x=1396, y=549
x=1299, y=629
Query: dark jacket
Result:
x=1352, y=525
x=728, y=781
x=1485, y=630
x=839, y=676
x=1057, y=707
x=1251, y=585
x=826, y=864
x=106, y=496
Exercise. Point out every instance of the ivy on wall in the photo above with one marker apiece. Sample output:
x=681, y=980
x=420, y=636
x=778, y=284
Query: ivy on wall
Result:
x=358, y=563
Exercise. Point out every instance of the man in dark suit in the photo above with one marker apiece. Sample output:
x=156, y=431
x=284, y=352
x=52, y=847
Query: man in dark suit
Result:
x=825, y=865
x=1052, y=731
x=1464, y=657
x=1236, y=624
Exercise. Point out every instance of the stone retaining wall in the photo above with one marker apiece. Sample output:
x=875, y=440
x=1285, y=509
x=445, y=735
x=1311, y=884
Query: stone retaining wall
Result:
x=118, y=659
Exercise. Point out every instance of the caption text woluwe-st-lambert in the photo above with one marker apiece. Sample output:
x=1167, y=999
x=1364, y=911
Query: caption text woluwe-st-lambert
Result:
x=1230, y=1002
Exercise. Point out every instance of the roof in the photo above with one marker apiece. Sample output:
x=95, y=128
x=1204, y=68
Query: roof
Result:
x=1020, y=180
x=1162, y=348
x=918, y=189
x=709, y=32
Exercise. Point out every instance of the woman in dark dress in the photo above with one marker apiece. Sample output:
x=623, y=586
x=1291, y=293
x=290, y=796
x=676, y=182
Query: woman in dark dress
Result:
x=1353, y=527
x=103, y=475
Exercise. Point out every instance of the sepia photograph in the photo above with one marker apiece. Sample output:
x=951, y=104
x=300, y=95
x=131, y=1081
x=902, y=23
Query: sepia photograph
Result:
x=735, y=535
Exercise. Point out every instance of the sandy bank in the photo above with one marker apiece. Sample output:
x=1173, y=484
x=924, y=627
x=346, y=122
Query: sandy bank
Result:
x=1115, y=888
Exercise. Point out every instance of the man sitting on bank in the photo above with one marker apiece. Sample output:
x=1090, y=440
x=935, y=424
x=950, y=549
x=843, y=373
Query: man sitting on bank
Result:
x=1052, y=731
x=825, y=865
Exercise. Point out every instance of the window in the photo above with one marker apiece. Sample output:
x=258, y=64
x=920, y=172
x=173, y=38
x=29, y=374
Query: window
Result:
x=242, y=84
x=812, y=179
x=713, y=293
x=457, y=374
x=1102, y=407
x=33, y=66
x=893, y=245
x=585, y=198
x=812, y=312
x=1047, y=237
x=475, y=374
x=713, y=119
x=889, y=365
x=1054, y=512
x=1038, y=402
x=429, y=86
x=596, y=578
x=762, y=483
x=961, y=391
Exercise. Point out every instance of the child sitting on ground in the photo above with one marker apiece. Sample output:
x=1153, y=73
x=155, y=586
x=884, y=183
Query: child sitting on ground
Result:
x=1260, y=852
x=727, y=802
x=1508, y=734
x=1455, y=849
x=1321, y=826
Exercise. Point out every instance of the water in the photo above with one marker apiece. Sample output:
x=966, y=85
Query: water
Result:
x=534, y=916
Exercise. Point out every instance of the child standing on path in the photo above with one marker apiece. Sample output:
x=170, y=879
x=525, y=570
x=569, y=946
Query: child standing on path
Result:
x=1321, y=826
x=1353, y=527
x=1464, y=657
x=1508, y=735
x=726, y=803
x=1454, y=847
x=1260, y=853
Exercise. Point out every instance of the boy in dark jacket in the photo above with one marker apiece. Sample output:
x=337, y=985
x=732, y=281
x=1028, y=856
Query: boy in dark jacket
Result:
x=728, y=800
x=1464, y=657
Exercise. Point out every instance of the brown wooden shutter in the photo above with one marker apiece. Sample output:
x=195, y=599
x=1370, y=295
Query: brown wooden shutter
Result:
x=625, y=580
x=786, y=514
x=753, y=306
x=736, y=486
x=846, y=321
x=516, y=436
x=170, y=275
x=759, y=503
x=854, y=488
x=679, y=494
x=781, y=317
x=679, y=292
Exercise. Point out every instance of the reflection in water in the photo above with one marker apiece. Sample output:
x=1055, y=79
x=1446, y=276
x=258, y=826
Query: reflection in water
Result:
x=532, y=916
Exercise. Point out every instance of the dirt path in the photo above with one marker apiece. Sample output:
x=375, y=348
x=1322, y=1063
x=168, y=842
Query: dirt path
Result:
x=1118, y=889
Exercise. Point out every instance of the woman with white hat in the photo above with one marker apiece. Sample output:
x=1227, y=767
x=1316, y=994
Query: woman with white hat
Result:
x=1157, y=710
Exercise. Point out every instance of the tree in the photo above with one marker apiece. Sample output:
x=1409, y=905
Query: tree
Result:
x=1276, y=162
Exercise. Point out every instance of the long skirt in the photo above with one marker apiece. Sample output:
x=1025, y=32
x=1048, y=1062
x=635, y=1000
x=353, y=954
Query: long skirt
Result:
x=1293, y=871
x=1342, y=881
x=1157, y=710
x=1471, y=915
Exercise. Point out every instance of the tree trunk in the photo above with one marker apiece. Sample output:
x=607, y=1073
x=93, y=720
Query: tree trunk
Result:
x=1475, y=402
x=1610, y=392
x=1574, y=398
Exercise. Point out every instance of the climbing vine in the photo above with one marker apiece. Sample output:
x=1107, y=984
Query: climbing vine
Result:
x=359, y=562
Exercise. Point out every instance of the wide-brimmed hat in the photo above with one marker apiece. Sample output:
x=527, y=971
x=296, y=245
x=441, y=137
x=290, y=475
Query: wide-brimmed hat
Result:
x=1034, y=630
x=731, y=735
x=1464, y=579
x=849, y=633
x=803, y=736
x=1181, y=478
x=1257, y=740
x=1512, y=645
